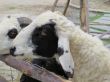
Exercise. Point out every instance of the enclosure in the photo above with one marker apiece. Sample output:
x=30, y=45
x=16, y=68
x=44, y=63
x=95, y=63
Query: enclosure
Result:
x=98, y=19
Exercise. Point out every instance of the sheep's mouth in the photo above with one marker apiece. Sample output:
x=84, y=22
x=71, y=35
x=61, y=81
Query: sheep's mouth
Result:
x=3, y=56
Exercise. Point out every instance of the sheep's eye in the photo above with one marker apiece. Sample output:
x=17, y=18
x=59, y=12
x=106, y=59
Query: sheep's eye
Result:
x=12, y=33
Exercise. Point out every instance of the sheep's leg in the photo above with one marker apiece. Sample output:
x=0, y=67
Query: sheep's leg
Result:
x=65, y=57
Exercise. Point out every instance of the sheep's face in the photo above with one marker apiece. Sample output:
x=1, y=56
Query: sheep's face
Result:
x=9, y=28
x=42, y=41
x=38, y=36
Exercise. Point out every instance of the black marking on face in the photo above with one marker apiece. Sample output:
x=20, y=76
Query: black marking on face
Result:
x=60, y=51
x=45, y=39
x=12, y=50
x=66, y=51
x=12, y=33
x=9, y=16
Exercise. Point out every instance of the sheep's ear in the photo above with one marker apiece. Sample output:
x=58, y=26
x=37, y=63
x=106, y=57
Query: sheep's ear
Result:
x=65, y=56
x=24, y=21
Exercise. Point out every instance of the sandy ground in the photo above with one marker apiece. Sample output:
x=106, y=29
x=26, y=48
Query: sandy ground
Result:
x=26, y=6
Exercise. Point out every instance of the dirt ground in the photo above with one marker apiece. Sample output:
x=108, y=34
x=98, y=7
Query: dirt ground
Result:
x=103, y=5
x=26, y=6
x=35, y=7
x=38, y=6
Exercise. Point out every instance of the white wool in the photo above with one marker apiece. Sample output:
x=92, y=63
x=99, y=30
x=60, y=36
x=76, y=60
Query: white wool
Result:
x=6, y=24
x=91, y=58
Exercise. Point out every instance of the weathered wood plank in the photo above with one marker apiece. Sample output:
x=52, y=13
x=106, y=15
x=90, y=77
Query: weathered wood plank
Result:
x=84, y=15
x=35, y=72
x=54, y=5
x=66, y=7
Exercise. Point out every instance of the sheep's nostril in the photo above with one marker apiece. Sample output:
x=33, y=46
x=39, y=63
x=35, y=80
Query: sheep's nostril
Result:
x=12, y=50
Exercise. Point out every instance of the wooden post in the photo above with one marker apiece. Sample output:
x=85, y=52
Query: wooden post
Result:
x=66, y=7
x=35, y=72
x=84, y=15
x=54, y=5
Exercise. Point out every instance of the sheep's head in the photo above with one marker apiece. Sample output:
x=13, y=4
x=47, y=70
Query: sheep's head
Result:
x=9, y=27
x=42, y=38
x=40, y=41
x=25, y=42
x=35, y=34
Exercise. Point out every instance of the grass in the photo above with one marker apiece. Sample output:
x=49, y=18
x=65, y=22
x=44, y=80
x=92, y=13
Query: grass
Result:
x=98, y=29
x=106, y=41
x=12, y=7
x=97, y=16
x=93, y=18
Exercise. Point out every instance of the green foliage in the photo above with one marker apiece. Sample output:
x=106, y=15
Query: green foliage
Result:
x=11, y=7
x=106, y=41
x=98, y=29
x=97, y=16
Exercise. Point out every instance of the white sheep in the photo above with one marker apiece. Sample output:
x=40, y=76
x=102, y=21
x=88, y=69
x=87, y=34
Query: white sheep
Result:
x=10, y=26
x=91, y=58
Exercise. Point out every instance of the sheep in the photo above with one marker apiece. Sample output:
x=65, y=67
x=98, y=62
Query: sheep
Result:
x=42, y=42
x=10, y=26
x=91, y=58
x=46, y=40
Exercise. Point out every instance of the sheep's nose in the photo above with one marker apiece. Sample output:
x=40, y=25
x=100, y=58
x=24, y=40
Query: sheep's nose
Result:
x=12, y=50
